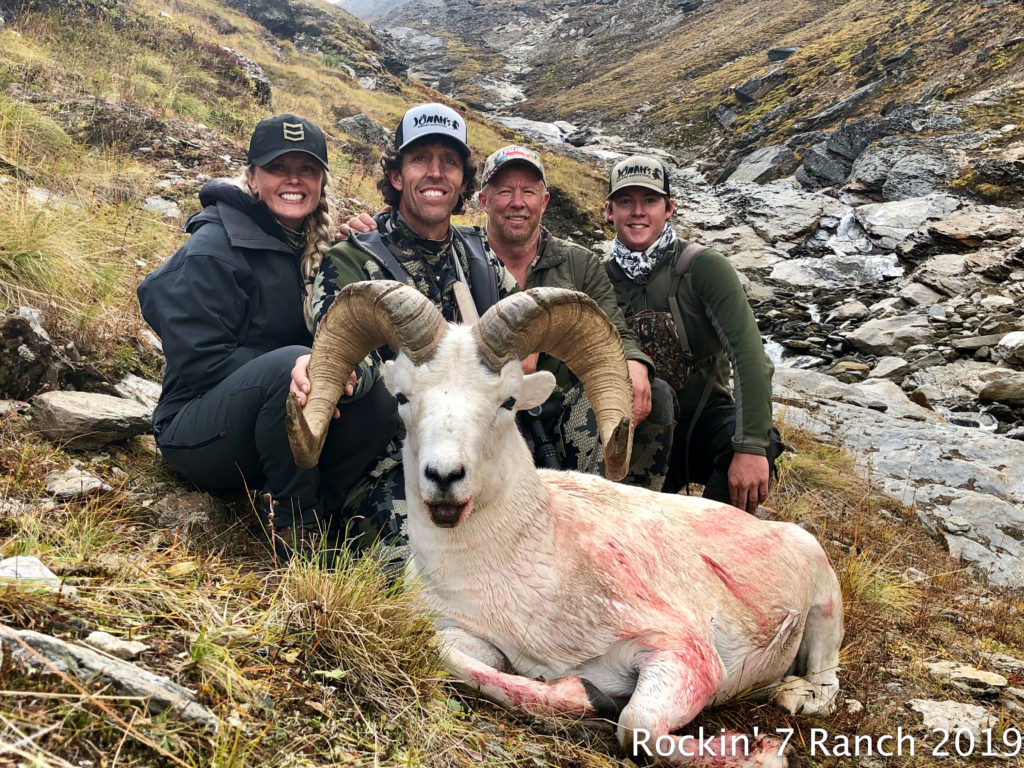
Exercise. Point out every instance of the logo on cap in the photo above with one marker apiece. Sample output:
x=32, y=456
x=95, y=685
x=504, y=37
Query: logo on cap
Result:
x=423, y=121
x=294, y=131
x=639, y=170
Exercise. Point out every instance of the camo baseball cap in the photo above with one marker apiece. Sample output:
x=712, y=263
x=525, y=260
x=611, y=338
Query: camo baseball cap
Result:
x=639, y=171
x=280, y=134
x=513, y=153
x=431, y=120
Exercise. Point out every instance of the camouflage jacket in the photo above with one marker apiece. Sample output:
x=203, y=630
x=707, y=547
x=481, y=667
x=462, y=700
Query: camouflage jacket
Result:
x=721, y=330
x=428, y=264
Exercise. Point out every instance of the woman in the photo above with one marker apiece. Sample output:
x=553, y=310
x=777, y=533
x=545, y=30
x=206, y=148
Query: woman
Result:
x=232, y=308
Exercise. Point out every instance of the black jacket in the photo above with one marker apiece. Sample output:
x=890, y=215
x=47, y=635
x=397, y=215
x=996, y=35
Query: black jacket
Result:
x=231, y=293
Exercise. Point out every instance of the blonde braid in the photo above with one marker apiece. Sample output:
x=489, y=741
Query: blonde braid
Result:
x=319, y=237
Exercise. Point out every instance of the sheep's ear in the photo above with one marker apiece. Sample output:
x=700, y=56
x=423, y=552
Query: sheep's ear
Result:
x=537, y=388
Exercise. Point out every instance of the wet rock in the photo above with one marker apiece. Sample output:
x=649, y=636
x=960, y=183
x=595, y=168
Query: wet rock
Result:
x=1009, y=390
x=892, y=224
x=967, y=679
x=71, y=483
x=87, y=420
x=919, y=174
x=158, y=692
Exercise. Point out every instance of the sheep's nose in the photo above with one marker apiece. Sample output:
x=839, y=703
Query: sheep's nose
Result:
x=444, y=480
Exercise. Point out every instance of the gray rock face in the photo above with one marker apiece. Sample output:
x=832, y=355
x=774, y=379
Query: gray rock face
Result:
x=159, y=693
x=365, y=129
x=754, y=88
x=891, y=225
x=978, y=226
x=946, y=471
x=919, y=174
x=86, y=420
x=764, y=165
x=262, y=90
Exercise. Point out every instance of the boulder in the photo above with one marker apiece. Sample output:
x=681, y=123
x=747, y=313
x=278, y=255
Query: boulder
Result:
x=756, y=87
x=87, y=420
x=253, y=73
x=822, y=168
x=1010, y=348
x=781, y=54
x=893, y=224
x=918, y=295
x=764, y=165
x=366, y=130
x=919, y=174
x=972, y=228
x=845, y=106
x=889, y=367
x=1009, y=390
x=891, y=335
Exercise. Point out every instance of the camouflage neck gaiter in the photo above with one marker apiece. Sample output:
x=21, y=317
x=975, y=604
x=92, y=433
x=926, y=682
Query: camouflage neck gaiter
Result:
x=638, y=265
x=428, y=262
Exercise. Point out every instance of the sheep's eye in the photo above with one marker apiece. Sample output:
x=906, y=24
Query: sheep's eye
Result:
x=509, y=404
x=402, y=399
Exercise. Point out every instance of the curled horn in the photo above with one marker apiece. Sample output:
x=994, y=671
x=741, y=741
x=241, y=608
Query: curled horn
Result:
x=570, y=326
x=364, y=316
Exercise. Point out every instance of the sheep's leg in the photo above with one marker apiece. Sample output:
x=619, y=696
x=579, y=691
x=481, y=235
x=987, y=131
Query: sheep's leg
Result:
x=673, y=686
x=570, y=696
x=817, y=661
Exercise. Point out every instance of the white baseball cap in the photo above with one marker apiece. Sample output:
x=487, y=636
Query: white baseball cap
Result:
x=431, y=120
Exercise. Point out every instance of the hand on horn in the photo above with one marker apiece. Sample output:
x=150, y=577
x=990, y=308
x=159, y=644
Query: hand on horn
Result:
x=299, y=385
x=641, y=390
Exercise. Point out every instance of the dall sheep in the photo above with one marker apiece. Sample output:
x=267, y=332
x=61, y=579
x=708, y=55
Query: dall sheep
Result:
x=564, y=593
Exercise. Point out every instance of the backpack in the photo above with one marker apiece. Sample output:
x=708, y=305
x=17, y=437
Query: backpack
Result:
x=482, y=277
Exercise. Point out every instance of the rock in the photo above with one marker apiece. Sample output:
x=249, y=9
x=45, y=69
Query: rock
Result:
x=997, y=302
x=952, y=716
x=917, y=295
x=1005, y=663
x=851, y=310
x=891, y=224
x=848, y=366
x=919, y=174
x=889, y=367
x=764, y=165
x=845, y=106
x=724, y=116
x=29, y=574
x=889, y=335
x=967, y=679
x=258, y=81
x=27, y=362
x=779, y=210
x=366, y=130
x=190, y=513
x=1010, y=348
x=73, y=482
x=1009, y=390
x=158, y=692
x=781, y=54
x=141, y=390
x=87, y=420
x=114, y=646
x=974, y=227
x=166, y=208
x=585, y=136
x=969, y=343
x=564, y=126
x=756, y=87
x=916, y=576
x=823, y=167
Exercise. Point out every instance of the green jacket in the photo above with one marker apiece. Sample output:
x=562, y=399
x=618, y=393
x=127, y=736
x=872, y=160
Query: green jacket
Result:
x=563, y=264
x=721, y=330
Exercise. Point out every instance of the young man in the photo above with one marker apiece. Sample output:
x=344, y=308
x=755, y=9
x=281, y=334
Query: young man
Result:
x=691, y=314
x=514, y=196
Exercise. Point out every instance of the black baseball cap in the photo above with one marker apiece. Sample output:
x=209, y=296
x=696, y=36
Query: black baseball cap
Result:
x=280, y=134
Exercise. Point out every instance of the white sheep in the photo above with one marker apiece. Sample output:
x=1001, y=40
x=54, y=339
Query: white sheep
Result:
x=565, y=593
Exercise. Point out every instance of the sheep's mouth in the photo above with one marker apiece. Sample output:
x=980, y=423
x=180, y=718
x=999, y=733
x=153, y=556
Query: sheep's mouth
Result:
x=448, y=515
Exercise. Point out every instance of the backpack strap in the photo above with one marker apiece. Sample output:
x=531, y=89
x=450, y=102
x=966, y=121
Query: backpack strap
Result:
x=682, y=264
x=374, y=243
x=483, y=279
